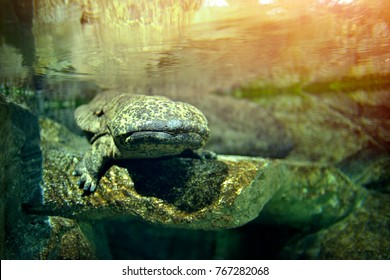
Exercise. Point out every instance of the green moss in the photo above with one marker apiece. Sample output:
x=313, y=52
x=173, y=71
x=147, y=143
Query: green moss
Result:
x=20, y=94
x=261, y=89
x=253, y=91
x=348, y=84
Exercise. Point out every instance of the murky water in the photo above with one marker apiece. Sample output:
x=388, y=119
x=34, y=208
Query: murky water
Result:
x=306, y=81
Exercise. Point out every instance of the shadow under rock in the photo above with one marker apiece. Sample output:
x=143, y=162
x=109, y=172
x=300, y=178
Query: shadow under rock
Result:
x=187, y=183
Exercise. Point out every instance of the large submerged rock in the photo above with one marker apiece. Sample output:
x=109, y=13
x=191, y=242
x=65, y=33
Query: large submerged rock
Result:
x=310, y=196
x=25, y=236
x=179, y=192
x=362, y=235
x=191, y=193
x=60, y=221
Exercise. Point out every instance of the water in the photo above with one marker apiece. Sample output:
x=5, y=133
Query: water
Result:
x=210, y=46
x=307, y=81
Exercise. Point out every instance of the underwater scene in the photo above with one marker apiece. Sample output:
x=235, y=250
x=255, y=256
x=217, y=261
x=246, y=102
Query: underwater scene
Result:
x=194, y=129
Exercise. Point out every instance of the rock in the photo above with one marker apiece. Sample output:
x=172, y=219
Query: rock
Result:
x=174, y=192
x=6, y=143
x=239, y=127
x=310, y=196
x=25, y=236
x=318, y=133
x=376, y=176
x=20, y=151
x=57, y=137
x=71, y=240
x=192, y=193
x=362, y=235
x=45, y=237
x=178, y=192
x=330, y=128
x=369, y=167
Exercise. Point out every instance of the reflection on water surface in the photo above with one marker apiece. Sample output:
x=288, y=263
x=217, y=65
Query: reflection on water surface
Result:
x=190, y=44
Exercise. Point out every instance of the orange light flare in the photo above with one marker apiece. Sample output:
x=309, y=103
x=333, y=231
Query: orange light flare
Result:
x=302, y=41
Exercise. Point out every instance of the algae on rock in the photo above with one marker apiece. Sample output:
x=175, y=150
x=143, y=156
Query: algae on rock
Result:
x=192, y=193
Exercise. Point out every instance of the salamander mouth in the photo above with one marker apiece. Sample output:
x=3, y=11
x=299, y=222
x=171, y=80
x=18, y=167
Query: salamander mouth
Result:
x=190, y=139
x=159, y=137
x=152, y=133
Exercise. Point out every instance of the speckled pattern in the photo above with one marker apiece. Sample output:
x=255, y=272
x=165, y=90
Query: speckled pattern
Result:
x=124, y=126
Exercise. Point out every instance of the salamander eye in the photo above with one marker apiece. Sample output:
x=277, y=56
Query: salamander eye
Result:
x=125, y=141
x=99, y=113
x=121, y=142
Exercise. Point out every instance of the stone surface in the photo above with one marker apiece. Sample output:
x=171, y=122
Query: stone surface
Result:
x=362, y=235
x=334, y=126
x=188, y=193
x=315, y=127
x=180, y=192
x=192, y=193
x=6, y=143
x=71, y=240
x=48, y=238
x=20, y=151
x=310, y=196
x=370, y=168
x=26, y=236
x=56, y=137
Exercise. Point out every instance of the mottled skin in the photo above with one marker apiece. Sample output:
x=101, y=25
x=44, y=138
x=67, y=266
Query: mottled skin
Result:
x=129, y=126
